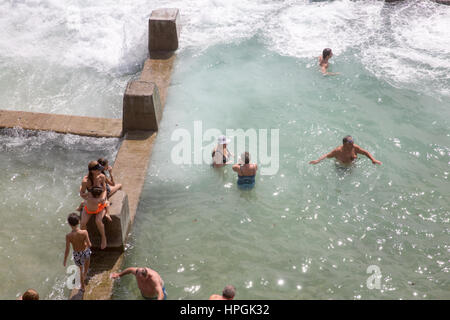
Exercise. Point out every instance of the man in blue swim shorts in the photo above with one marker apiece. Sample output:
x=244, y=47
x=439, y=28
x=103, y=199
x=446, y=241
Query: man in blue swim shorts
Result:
x=149, y=282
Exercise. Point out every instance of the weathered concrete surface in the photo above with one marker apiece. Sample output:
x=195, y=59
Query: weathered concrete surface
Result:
x=158, y=69
x=83, y=126
x=116, y=230
x=100, y=285
x=130, y=167
x=163, y=30
x=141, y=106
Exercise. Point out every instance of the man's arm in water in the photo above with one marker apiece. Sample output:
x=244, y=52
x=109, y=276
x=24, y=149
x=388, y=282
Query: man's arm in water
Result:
x=360, y=150
x=115, y=275
x=160, y=291
x=328, y=155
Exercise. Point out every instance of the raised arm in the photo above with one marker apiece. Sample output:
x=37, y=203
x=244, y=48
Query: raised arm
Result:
x=328, y=155
x=116, y=275
x=83, y=188
x=110, y=181
x=360, y=150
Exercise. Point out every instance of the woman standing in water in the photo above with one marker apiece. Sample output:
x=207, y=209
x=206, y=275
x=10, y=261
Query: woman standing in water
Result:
x=220, y=154
x=246, y=172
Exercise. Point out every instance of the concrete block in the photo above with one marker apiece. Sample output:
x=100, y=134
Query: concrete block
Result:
x=116, y=230
x=141, y=106
x=163, y=30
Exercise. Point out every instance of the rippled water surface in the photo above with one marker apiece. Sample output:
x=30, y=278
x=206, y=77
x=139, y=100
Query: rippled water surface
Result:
x=306, y=232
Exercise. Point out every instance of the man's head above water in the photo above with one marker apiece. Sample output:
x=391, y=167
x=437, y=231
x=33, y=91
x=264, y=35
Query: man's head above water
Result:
x=327, y=53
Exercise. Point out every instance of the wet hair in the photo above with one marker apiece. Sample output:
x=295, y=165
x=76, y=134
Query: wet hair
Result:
x=247, y=157
x=30, y=294
x=143, y=271
x=91, y=166
x=73, y=219
x=96, y=192
x=103, y=162
x=326, y=52
x=347, y=139
x=229, y=292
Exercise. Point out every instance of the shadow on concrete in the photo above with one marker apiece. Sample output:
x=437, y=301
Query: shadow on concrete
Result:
x=139, y=135
x=161, y=55
x=103, y=261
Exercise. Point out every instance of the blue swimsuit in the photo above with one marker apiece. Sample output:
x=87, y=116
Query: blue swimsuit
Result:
x=246, y=182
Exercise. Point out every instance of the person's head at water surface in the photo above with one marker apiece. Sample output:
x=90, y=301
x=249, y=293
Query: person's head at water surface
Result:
x=73, y=219
x=229, y=292
x=142, y=272
x=223, y=141
x=30, y=294
x=245, y=158
x=327, y=53
x=347, y=141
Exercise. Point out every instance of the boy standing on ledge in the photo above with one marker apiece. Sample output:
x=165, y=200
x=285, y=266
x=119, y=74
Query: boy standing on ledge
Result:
x=81, y=247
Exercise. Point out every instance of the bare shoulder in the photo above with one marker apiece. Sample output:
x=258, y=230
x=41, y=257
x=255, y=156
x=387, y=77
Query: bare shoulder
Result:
x=357, y=148
x=336, y=150
x=151, y=271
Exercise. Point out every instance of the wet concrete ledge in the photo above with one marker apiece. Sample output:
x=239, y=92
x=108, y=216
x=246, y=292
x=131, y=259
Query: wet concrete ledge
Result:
x=79, y=125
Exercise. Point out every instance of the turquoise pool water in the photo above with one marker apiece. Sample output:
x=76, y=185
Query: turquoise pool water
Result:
x=304, y=232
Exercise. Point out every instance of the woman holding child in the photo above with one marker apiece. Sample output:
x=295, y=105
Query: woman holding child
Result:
x=93, y=191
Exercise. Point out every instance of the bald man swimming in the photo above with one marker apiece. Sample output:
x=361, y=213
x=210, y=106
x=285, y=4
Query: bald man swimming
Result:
x=347, y=153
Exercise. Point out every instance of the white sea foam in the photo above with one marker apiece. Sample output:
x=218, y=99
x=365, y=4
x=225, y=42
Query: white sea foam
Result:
x=304, y=29
x=405, y=44
x=412, y=49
